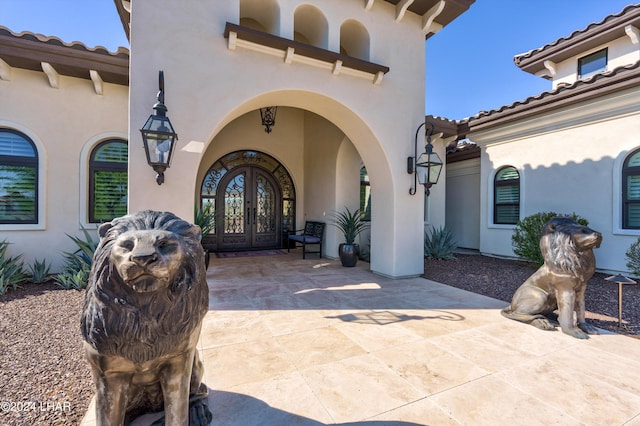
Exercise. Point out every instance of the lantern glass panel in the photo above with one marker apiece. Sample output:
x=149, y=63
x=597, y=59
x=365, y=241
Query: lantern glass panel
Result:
x=159, y=139
x=428, y=168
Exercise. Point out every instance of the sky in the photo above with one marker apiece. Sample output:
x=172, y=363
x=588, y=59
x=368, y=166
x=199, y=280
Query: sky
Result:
x=469, y=63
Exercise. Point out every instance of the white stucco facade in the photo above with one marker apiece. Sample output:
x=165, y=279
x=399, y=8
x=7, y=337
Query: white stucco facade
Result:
x=570, y=161
x=348, y=84
x=62, y=122
x=328, y=123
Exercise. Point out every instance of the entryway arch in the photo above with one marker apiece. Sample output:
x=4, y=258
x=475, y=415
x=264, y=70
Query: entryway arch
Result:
x=253, y=197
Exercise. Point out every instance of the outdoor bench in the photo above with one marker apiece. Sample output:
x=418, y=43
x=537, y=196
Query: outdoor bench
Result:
x=312, y=234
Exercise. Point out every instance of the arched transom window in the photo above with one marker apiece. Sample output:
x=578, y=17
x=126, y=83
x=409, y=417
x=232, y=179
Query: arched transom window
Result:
x=18, y=178
x=108, y=181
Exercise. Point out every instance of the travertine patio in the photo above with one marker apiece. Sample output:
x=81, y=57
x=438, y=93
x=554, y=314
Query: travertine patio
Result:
x=308, y=342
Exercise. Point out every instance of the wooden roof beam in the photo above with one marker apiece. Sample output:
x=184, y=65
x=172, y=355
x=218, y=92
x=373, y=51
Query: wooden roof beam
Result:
x=429, y=25
x=401, y=9
x=52, y=74
x=5, y=70
x=97, y=82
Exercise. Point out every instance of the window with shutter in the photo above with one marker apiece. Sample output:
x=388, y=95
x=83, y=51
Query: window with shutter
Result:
x=18, y=178
x=506, y=196
x=108, y=181
x=631, y=191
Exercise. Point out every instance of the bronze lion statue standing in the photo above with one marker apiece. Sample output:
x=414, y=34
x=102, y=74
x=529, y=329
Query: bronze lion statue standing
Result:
x=560, y=283
x=142, y=316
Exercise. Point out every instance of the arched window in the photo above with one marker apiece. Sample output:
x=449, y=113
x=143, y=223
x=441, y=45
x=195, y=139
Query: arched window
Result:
x=506, y=196
x=18, y=178
x=631, y=191
x=108, y=181
x=354, y=40
x=310, y=26
x=365, y=195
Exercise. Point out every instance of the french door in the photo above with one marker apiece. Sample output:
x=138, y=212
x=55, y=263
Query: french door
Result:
x=252, y=205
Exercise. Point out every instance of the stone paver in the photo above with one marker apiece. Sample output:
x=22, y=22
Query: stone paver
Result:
x=307, y=342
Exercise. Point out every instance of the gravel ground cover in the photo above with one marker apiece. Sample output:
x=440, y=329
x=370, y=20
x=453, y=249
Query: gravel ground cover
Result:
x=500, y=278
x=44, y=379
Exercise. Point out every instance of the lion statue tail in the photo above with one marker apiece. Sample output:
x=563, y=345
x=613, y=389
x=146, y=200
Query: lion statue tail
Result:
x=508, y=312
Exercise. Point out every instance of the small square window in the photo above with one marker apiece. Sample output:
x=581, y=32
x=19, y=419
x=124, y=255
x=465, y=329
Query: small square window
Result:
x=592, y=64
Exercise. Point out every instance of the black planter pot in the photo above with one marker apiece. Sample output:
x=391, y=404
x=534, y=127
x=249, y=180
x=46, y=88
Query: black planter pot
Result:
x=348, y=254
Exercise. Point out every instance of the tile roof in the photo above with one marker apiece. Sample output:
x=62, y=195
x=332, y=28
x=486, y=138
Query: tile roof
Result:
x=28, y=50
x=618, y=79
x=579, y=41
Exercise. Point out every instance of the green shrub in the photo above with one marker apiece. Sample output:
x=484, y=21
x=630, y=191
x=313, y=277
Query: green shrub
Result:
x=633, y=258
x=12, y=272
x=526, y=237
x=39, y=271
x=78, y=263
x=440, y=243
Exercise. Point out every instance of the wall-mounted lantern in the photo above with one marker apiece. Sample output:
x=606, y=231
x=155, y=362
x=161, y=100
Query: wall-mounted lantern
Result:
x=427, y=167
x=158, y=135
x=268, y=116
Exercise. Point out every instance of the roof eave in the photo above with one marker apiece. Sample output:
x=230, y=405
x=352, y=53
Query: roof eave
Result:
x=28, y=51
x=451, y=11
x=594, y=35
x=620, y=79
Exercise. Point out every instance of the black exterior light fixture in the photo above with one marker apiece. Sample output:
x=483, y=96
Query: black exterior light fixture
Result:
x=620, y=280
x=268, y=115
x=427, y=167
x=158, y=135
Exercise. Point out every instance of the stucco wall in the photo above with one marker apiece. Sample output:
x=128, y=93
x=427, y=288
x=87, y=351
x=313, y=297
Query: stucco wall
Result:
x=208, y=86
x=61, y=122
x=569, y=161
x=620, y=52
x=463, y=202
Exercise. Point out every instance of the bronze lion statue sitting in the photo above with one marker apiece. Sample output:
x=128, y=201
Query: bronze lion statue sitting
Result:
x=560, y=283
x=141, y=321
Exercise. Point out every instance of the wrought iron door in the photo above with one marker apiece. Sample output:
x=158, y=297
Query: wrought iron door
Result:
x=252, y=206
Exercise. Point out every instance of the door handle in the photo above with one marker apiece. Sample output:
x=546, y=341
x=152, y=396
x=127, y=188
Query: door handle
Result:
x=248, y=215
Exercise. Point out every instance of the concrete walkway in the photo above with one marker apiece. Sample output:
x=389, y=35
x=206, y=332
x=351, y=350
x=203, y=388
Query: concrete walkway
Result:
x=308, y=342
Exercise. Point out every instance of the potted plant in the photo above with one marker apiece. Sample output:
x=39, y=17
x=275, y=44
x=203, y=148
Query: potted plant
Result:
x=351, y=225
x=205, y=218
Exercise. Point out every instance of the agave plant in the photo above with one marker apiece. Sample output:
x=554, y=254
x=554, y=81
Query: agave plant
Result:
x=440, y=243
x=39, y=271
x=350, y=224
x=78, y=263
x=11, y=269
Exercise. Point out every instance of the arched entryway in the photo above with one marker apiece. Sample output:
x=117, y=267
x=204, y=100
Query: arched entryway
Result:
x=253, y=197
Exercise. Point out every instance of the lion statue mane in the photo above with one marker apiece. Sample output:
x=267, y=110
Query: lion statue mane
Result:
x=560, y=283
x=143, y=311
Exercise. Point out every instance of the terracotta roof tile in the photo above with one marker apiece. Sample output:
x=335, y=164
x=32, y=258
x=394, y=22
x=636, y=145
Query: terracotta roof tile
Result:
x=592, y=27
x=27, y=50
x=597, y=85
x=55, y=41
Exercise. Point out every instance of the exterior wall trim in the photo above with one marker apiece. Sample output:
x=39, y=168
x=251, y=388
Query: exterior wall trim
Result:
x=291, y=50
